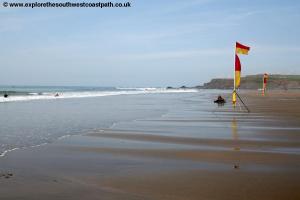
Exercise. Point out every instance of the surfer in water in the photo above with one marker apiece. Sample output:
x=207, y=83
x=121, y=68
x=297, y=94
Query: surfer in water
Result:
x=5, y=95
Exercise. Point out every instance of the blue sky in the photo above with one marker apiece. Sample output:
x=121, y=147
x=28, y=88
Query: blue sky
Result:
x=153, y=43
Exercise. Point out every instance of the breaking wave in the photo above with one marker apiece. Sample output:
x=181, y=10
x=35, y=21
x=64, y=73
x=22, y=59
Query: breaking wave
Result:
x=14, y=96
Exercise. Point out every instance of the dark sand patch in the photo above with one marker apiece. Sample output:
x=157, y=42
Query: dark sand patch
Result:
x=192, y=141
x=211, y=185
x=202, y=155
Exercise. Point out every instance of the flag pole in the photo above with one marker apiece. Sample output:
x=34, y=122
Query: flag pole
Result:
x=234, y=89
x=264, y=86
x=239, y=48
x=243, y=102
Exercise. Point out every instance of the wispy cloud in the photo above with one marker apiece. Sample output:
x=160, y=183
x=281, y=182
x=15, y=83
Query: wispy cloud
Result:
x=174, y=54
x=169, y=34
x=277, y=49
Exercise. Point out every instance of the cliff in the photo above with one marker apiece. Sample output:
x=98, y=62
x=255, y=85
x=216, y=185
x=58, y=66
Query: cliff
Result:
x=275, y=81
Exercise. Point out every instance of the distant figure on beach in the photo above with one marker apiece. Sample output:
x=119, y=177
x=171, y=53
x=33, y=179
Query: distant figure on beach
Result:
x=56, y=95
x=220, y=100
x=5, y=95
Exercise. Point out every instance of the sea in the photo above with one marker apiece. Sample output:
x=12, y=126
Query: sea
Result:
x=32, y=116
x=37, y=115
x=28, y=93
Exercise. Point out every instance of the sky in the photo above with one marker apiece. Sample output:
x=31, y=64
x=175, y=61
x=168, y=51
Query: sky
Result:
x=154, y=43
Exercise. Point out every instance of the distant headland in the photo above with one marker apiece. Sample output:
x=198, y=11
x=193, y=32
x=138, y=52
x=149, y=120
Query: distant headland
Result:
x=254, y=82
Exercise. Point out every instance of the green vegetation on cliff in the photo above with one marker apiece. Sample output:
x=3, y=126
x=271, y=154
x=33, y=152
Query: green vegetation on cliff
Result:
x=275, y=81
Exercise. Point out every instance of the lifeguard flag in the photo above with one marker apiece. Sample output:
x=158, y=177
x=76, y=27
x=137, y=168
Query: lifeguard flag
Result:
x=237, y=70
x=266, y=76
x=241, y=49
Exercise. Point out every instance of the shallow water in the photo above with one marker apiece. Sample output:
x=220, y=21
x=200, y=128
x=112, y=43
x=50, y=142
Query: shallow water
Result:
x=30, y=123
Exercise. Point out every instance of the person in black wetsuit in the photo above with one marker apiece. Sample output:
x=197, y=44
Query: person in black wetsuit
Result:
x=220, y=100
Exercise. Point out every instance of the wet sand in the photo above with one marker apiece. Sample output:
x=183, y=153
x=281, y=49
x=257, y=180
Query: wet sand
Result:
x=195, y=151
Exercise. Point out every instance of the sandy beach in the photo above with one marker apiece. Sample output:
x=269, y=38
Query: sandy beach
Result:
x=196, y=150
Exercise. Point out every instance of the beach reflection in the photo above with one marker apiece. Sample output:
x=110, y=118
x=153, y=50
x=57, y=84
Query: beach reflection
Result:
x=235, y=138
x=235, y=134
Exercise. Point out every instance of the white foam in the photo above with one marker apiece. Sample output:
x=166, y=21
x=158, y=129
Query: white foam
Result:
x=7, y=151
x=67, y=95
x=141, y=89
x=63, y=137
x=20, y=148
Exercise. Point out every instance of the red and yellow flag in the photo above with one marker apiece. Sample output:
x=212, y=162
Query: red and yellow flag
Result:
x=241, y=49
x=265, y=79
x=266, y=76
x=237, y=70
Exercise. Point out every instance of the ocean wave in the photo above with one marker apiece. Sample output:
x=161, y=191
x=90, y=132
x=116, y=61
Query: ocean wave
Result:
x=2, y=154
x=139, y=89
x=85, y=94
